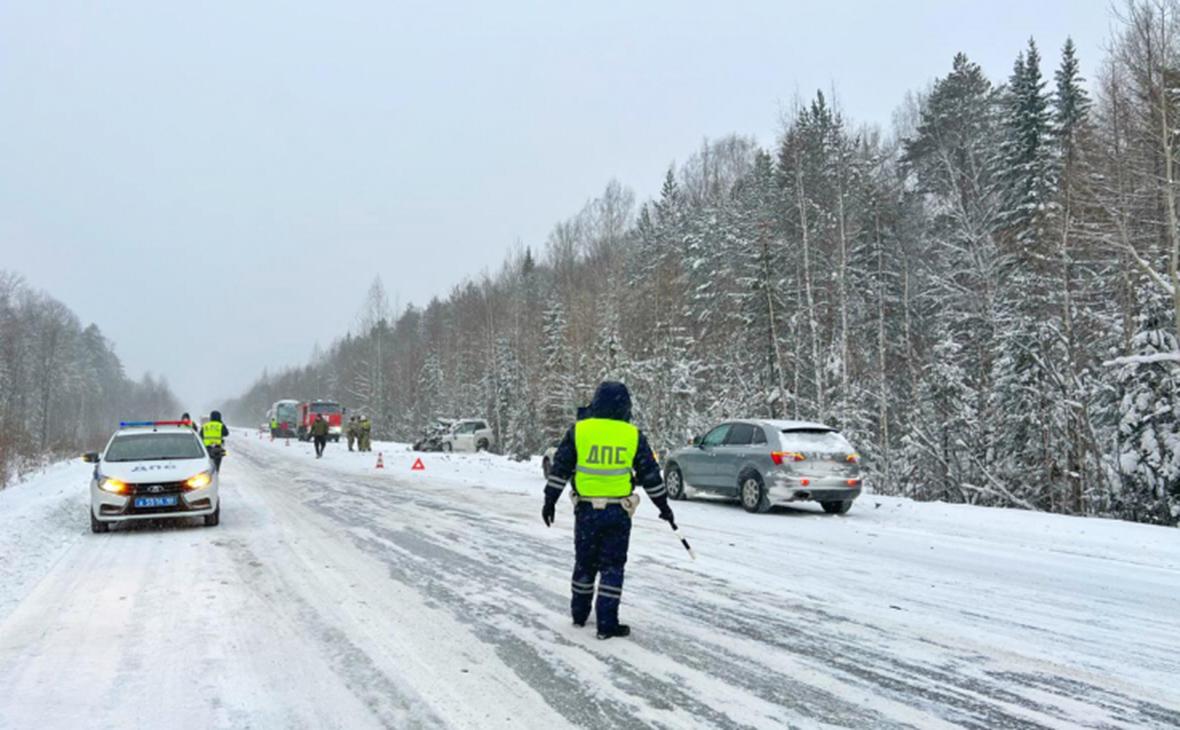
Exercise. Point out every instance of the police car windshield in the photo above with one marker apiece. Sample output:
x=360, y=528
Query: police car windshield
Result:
x=154, y=446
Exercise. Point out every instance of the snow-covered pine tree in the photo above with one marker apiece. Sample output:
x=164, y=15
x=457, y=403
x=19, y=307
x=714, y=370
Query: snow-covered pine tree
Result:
x=557, y=394
x=1149, y=423
x=950, y=155
x=430, y=397
x=512, y=408
x=1029, y=438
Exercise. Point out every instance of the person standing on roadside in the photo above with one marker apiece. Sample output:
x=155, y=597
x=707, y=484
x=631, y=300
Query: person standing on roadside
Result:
x=608, y=456
x=350, y=432
x=319, y=434
x=213, y=433
x=366, y=427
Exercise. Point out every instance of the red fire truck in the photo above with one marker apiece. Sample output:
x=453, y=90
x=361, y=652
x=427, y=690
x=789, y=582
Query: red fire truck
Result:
x=330, y=410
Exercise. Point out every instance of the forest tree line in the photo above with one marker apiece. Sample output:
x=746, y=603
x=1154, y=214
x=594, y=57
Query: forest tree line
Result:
x=62, y=387
x=985, y=297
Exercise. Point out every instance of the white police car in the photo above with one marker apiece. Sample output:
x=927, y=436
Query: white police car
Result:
x=152, y=470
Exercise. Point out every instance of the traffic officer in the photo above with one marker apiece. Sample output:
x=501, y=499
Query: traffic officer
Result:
x=214, y=433
x=609, y=456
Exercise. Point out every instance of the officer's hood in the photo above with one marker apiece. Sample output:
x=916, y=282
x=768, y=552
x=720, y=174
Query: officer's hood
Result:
x=612, y=400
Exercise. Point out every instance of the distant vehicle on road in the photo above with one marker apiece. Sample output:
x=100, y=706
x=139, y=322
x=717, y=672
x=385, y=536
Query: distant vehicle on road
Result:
x=152, y=470
x=763, y=463
x=330, y=410
x=468, y=434
x=431, y=438
x=284, y=415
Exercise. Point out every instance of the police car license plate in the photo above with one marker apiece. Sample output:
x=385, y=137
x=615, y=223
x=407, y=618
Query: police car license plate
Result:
x=155, y=501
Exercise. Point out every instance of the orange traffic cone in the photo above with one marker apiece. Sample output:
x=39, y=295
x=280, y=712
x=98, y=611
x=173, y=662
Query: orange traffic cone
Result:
x=380, y=461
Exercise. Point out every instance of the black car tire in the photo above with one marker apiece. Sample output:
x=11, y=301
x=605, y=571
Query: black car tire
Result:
x=837, y=508
x=674, y=481
x=214, y=519
x=446, y=447
x=98, y=526
x=752, y=492
x=482, y=445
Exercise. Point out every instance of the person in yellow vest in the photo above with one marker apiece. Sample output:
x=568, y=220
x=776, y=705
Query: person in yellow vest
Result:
x=214, y=433
x=609, y=456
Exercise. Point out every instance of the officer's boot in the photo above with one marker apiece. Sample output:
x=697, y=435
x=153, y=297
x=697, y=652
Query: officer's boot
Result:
x=620, y=630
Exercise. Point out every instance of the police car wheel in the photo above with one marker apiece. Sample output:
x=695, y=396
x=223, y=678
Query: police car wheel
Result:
x=214, y=519
x=97, y=526
x=674, y=481
x=753, y=493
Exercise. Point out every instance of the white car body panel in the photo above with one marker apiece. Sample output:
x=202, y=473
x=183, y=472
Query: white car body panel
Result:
x=468, y=441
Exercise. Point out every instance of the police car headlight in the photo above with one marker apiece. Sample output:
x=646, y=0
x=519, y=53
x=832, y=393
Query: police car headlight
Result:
x=114, y=486
x=200, y=481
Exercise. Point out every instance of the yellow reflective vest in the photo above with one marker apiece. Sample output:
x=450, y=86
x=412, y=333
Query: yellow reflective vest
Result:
x=606, y=449
x=211, y=433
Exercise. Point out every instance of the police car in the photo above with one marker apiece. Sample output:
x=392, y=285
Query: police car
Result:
x=152, y=470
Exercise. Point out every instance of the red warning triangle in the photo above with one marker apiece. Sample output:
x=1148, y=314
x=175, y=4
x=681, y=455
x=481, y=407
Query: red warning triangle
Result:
x=418, y=465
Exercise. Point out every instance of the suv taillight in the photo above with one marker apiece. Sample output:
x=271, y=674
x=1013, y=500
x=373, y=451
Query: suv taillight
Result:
x=778, y=457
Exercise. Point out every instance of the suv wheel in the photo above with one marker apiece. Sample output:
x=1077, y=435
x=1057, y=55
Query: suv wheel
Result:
x=753, y=493
x=214, y=519
x=482, y=445
x=674, y=481
x=837, y=508
x=446, y=446
x=97, y=526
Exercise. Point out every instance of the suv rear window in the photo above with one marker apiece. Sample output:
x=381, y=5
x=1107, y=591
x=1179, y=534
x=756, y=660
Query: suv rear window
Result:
x=154, y=446
x=815, y=440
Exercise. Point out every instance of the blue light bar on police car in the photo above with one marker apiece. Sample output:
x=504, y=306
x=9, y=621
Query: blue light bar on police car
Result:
x=142, y=424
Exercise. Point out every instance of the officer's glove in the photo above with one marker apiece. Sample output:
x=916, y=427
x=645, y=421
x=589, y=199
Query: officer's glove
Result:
x=549, y=511
x=666, y=515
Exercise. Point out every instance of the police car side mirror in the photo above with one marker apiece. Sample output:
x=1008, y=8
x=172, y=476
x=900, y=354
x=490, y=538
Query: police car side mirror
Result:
x=90, y=457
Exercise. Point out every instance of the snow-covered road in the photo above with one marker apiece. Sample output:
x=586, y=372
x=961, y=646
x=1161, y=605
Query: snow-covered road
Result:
x=336, y=595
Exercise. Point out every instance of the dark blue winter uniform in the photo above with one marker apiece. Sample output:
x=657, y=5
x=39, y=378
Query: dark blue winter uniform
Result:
x=602, y=536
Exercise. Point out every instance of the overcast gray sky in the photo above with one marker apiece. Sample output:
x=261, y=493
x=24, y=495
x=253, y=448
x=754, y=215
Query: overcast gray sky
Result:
x=215, y=184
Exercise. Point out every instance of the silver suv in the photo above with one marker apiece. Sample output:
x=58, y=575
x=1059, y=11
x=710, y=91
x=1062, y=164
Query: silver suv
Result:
x=762, y=463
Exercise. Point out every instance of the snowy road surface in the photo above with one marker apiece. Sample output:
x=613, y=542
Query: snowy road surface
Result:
x=335, y=595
